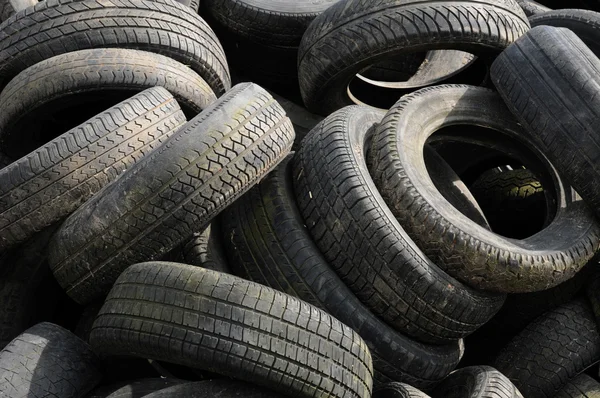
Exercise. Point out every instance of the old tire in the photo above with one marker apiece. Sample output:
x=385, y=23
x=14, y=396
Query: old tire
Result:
x=266, y=242
x=532, y=8
x=47, y=360
x=134, y=389
x=205, y=249
x=352, y=35
x=164, y=198
x=365, y=245
x=57, y=94
x=476, y=382
x=50, y=183
x=584, y=23
x=221, y=388
x=159, y=26
x=398, y=390
x=9, y=7
x=468, y=252
x=551, y=350
x=582, y=386
x=228, y=325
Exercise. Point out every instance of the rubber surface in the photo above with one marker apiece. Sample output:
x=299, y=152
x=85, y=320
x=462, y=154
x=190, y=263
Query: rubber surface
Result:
x=50, y=183
x=352, y=35
x=582, y=386
x=476, y=382
x=134, y=389
x=365, y=245
x=223, y=388
x=550, y=351
x=398, y=390
x=266, y=242
x=205, y=249
x=467, y=251
x=162, y=200
x=57, y=94
x=532, y=8
x=47, y=361
x=584, y=23
x=161, y=26
x=9, y=7
x=218, y=322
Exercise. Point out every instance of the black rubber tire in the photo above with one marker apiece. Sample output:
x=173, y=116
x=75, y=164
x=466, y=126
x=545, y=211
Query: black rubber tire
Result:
x=57, y=94
x=266, y=242
x=546, y=80
x=532, y=8
x=398, y=390
x=50, y=183
x=222, y=388
x=513, y=201
x=584, y=23
x=47, y=361
x=365, y=245
x=303, y=120
x=470, y=253
x=134, y=389
x=552, y=350
x=218, y=322
x=476, y=382
x=582, y=386
x=205, y=249
x=355, y=34
x=9, y=7
x=270, y=22
x=160, y=201
x=161, y=26
x=28, y=292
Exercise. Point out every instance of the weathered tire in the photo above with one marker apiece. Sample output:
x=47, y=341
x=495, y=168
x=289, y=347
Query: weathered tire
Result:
x=218, y=322
x=270, y=22
x=222, y=388
x=164, y=198
x=532, y=8
x=205, y=249
x=45, y=361
x=582, y=386
x=552, y=350
x=470, y=253
x=367, y=247
x=513, y=201
x=159, y=26
x=50, y=183
x=9, y=7
x=57, y=94
x=266, y=242
x=134, y=389
x=398, y=390
x=549, y=80
x=476, y=382
x=352, y=35
x=584, y=23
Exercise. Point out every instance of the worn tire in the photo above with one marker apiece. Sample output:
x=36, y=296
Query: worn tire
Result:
x=50, y=183
x=205, y=249
x=222, y=388
x=532, y=8
x=9, y=7
x=367, y=247
x=476, y=382
x=163, y=199
x=584, y=23
x=47, y=360
x=398, y=390
x=57, y=94
x=134, y=389
x=160, y=26
x=552, y=350
x=266, y=242
x=352, y=35
x=218, y=322
x=549, y=80
x=468, y=252
x=582, y=386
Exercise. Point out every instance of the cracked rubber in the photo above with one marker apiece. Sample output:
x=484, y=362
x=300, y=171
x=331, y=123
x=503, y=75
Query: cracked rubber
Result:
x=584, y=23
x=222, y=388
x=552, y=350
x=476, y=382
x=582, y=386
x=134, y=389
x=50, y=183
x=472, y=254
x=165, y=27
x=352, y=35
x=160, y=201
x=47, y=361
x=221, y=323
x=549, y=79
x=266, y=242
x=9, y=7
x=365, y=245
x=85, y=82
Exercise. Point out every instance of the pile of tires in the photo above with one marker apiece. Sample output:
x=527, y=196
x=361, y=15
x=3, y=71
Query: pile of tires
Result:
x=410, y=211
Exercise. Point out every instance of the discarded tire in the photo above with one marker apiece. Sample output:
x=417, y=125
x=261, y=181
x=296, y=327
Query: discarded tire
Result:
x=9, y=7
x=582, y=386
x=476, y=382
x=296, y=348
x=584, y=23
